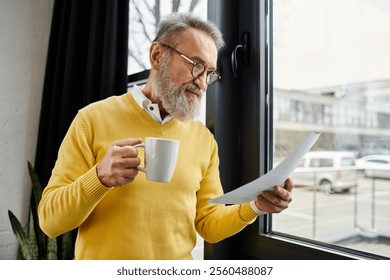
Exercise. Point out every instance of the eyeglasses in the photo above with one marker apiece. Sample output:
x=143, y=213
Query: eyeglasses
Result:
x=198, y=68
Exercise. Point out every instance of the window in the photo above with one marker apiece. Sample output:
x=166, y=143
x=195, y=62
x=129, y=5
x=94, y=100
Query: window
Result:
x=144, y=17
x=331, y=73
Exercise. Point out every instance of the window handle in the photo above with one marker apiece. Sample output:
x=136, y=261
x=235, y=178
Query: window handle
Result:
x=241, y=52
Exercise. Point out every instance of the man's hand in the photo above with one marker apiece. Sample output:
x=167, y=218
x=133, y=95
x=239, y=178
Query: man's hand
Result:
x=119, y=165
x=277, y=200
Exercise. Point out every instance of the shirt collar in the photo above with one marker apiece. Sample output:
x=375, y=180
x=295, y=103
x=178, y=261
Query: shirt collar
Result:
x=151, y=108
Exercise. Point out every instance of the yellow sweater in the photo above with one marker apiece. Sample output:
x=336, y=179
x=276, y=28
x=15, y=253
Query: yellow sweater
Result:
x=141, y=220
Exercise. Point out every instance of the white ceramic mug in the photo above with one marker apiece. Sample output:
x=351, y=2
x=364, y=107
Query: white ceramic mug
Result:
x=160, y=158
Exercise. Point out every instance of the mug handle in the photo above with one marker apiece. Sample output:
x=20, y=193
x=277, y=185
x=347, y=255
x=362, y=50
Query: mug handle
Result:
x=140, y=146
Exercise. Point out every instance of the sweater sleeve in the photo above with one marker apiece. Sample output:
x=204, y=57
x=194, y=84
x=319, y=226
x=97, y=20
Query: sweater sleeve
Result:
x=74, y=189
x=215, y=222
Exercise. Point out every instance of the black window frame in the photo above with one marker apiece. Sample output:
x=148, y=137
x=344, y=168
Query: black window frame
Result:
x=239, y=113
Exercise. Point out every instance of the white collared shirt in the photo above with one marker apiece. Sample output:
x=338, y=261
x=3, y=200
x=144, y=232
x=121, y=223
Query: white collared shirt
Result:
x=151, y=108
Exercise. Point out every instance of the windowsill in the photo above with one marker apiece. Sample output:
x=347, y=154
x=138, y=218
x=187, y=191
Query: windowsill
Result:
x=336, y=250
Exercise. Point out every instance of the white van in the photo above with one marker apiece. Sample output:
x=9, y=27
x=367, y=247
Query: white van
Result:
x=331, y=170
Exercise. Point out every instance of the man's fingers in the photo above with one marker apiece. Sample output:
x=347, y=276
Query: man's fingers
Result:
x=124, y=148
x=274, y=198
x=288, y=184
x=277, y=200
x=283, y=193
x=267, y=204
x=130, y=162
x=127, y=142
x=119, y=165
x=124, y=152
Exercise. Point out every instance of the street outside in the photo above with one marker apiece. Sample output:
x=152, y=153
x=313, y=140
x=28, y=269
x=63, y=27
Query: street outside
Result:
x=359, y=219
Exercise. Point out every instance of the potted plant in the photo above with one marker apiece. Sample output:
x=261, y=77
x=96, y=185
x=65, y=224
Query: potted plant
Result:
x=33, y=243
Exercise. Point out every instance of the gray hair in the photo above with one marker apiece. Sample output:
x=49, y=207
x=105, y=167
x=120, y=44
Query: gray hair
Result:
x=171, y=26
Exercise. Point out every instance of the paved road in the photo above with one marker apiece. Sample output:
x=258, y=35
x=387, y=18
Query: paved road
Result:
x=359, y=219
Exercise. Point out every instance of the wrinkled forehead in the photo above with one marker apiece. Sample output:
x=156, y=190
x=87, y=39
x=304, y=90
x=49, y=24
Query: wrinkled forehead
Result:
x=197, y=45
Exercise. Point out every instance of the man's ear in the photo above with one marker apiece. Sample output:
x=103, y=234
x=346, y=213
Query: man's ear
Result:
x=156, y=53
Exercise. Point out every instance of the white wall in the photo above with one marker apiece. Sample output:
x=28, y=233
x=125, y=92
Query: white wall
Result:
x=24, y=35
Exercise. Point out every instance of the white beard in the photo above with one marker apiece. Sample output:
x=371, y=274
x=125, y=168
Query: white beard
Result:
x=176, y=100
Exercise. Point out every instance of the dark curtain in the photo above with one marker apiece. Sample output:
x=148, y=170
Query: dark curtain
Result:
x=87, y=61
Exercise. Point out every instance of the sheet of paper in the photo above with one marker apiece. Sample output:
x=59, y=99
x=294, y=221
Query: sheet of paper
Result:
x=274, y=177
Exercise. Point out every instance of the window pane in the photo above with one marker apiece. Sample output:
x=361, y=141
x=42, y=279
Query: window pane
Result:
x=144, y=17
x=331, y=63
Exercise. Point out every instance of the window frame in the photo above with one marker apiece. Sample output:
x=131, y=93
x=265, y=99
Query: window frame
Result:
x=252, y=137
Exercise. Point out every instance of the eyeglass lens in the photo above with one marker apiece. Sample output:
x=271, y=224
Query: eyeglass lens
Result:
x=199, y=69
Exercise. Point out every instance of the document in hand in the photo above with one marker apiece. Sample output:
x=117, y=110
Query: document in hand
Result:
x=274, y=177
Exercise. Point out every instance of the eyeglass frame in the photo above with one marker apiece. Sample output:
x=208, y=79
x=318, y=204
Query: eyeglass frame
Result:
x=194, y=64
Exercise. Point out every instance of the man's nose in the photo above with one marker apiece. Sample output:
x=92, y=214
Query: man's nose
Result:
x=201, y=81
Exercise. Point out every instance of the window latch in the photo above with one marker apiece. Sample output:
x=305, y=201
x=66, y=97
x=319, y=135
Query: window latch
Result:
x=241, y=53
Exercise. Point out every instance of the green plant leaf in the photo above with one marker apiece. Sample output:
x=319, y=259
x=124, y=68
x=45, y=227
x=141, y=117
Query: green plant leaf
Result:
x=52, y=248
x=41, y=238
x=67, y=246
x=34, y=244
x=32, y=237
x=36, y=184
x=29, y=251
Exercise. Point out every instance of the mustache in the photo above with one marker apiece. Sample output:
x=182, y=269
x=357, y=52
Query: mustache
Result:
x=194, y=88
